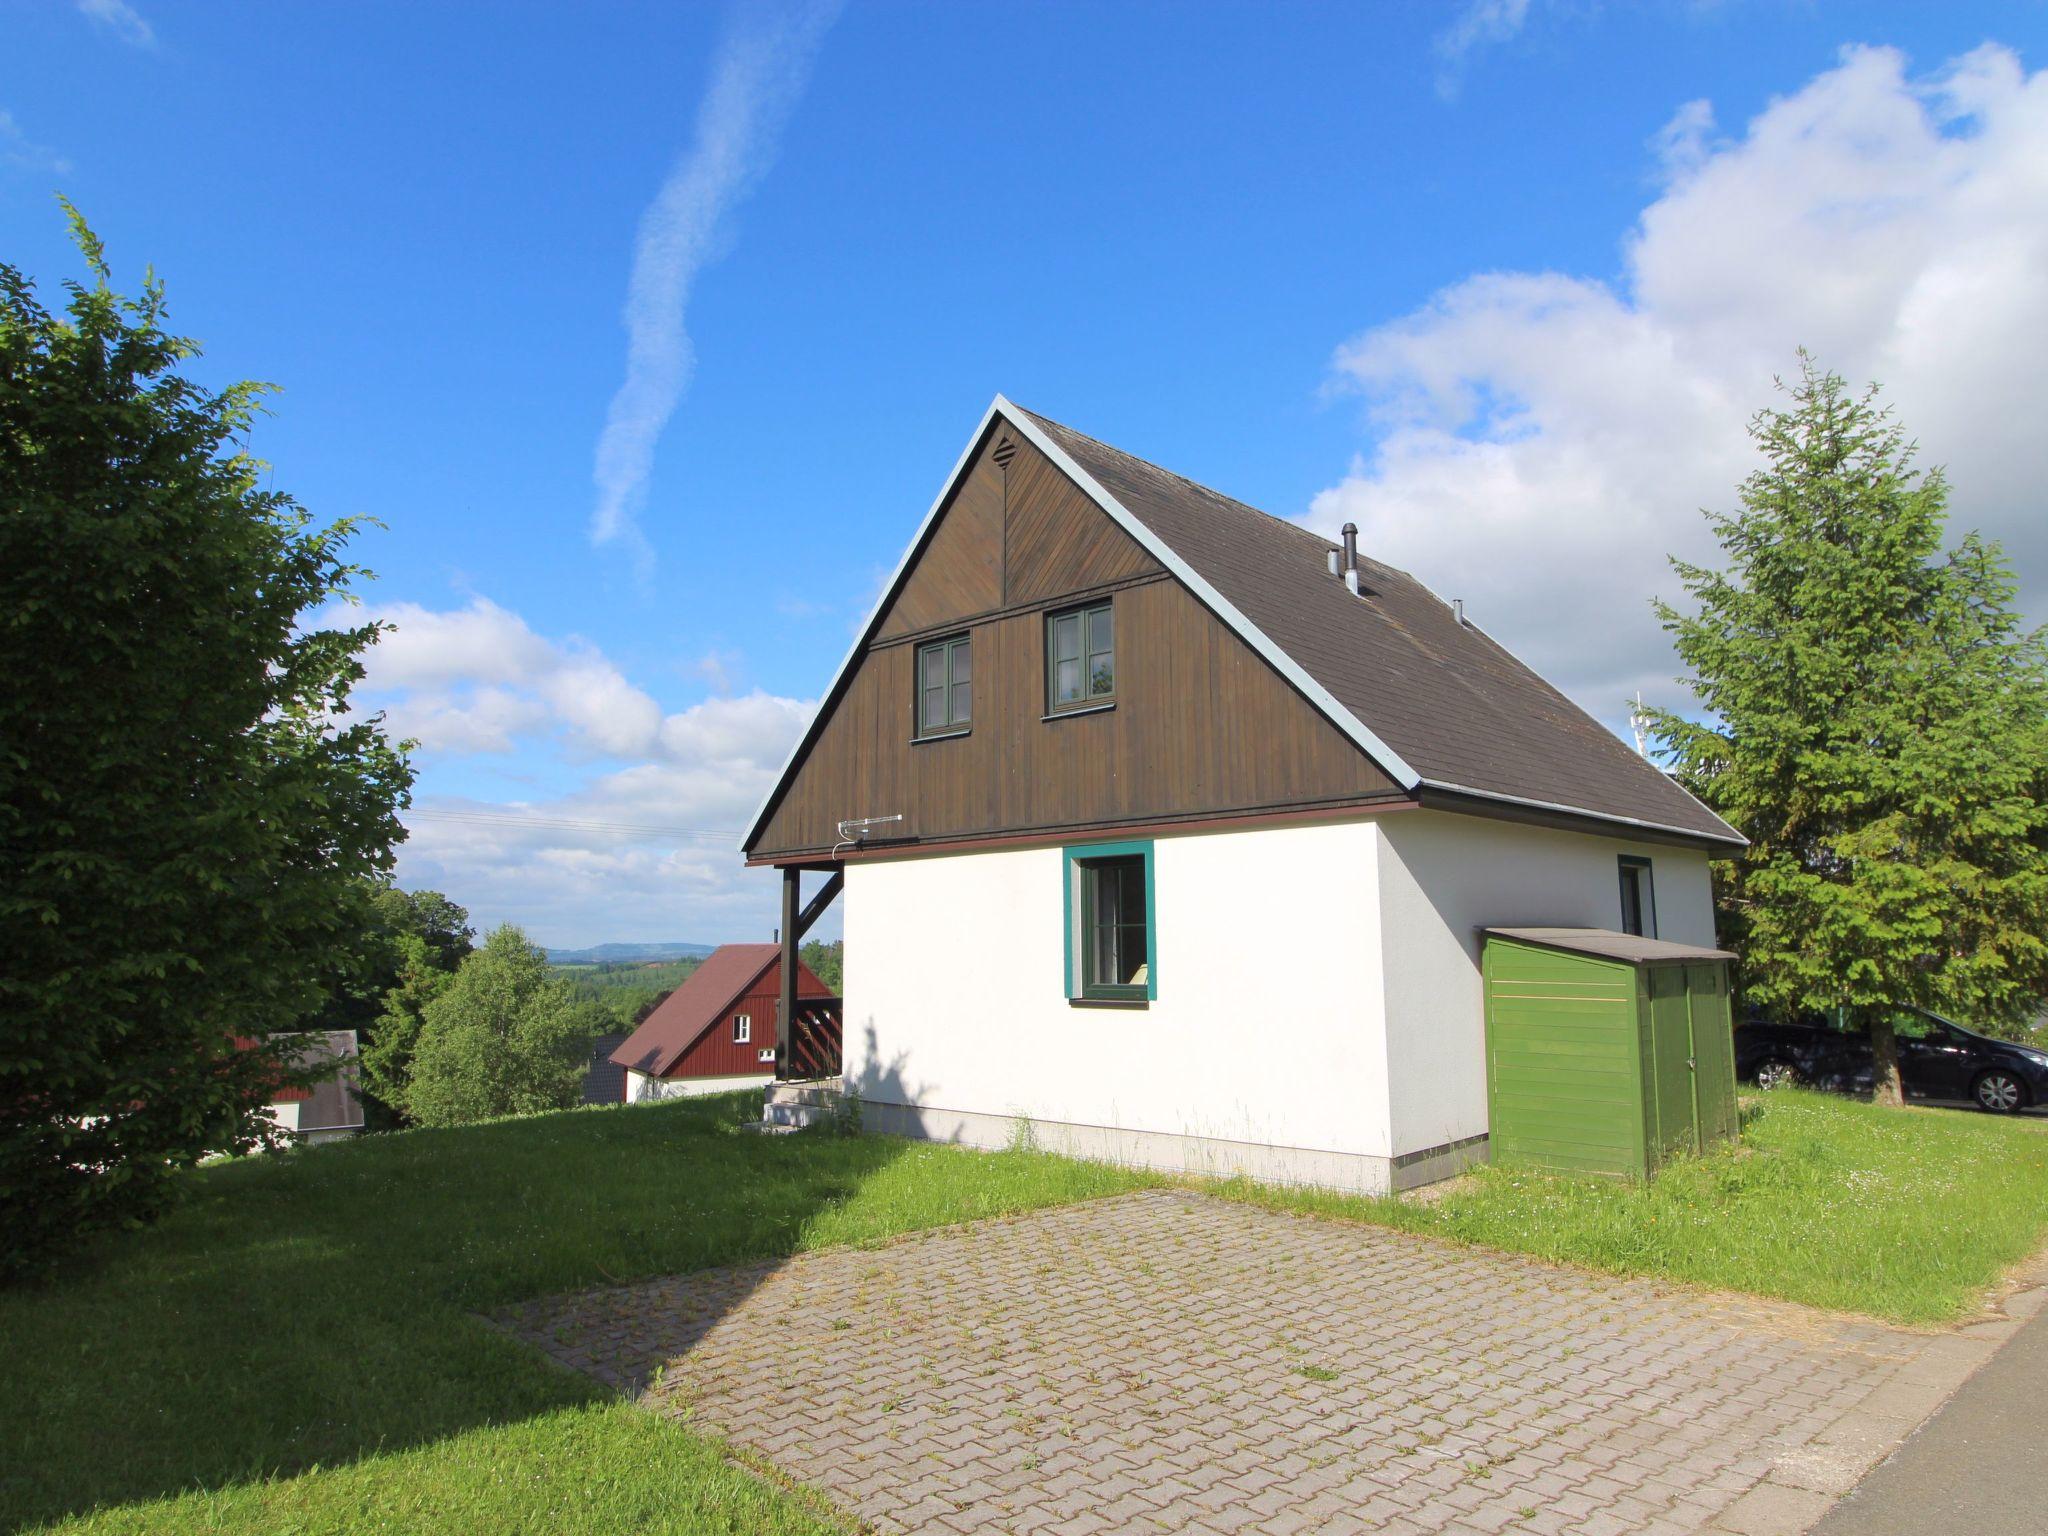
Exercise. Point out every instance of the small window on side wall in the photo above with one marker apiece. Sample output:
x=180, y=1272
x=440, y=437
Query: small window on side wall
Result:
x=945, y=687
x=1638, y=898
x=1112, y=943
x=742, y=1028
x=1080, y=658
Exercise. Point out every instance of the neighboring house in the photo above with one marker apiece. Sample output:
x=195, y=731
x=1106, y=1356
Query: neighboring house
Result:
x=332, y=1108
x=604, y=1080
x=1167, y=829
x=715, y=1032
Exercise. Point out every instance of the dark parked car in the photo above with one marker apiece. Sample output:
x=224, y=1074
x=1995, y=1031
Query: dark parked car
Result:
x=1938, y=1059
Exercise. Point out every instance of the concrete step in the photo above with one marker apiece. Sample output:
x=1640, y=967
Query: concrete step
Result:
x=792, y=1106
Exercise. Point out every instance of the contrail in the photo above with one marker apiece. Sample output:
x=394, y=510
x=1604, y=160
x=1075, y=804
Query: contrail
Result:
x=756, y=79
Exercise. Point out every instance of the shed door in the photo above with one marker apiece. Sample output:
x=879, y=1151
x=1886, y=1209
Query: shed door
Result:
x=1677, y=1124
x=1713, y=1051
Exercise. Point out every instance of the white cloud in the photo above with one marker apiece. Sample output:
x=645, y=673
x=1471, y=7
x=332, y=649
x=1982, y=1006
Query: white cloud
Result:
x=19, y=150
x=121, y=19
x=1542, y=441
x=758, y=75
x=625, y=854
x=1479, y=22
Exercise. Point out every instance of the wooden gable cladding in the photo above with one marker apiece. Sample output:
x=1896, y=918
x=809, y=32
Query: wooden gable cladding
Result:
x=960, y=572
x=1056, y=540
x=1023, y=533
x=1202, y=726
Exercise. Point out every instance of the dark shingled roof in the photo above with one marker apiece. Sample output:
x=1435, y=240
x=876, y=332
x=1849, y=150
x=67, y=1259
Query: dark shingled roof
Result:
x=1444, y=696
x=727, y=973
x=1609, y=945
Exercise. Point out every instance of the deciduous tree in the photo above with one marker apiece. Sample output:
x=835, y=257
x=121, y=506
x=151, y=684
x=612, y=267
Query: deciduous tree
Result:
x=186, y=800
x=504, y=1038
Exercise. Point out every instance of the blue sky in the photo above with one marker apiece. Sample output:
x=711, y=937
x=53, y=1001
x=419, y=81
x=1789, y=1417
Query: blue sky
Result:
x=1500, y=282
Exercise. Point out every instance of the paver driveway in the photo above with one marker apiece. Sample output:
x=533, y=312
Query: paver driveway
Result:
x=1168, y=1361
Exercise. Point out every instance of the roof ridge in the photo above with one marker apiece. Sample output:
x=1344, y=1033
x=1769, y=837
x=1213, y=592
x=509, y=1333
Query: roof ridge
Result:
x=1160, y=469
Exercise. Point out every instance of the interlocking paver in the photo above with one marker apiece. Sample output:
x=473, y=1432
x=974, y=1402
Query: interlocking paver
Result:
x=1170, y=1361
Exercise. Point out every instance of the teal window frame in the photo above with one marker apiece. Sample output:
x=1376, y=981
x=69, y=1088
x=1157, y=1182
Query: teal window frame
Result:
x=1084, y=615
x=949, y=652
x=1075, y=862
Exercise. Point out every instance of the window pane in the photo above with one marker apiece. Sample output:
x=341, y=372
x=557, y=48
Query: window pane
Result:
x=1101, y=675
x=1100, y=634
x=963, y=661
x=934, y=661
x=1631, y=900
x=1067, y=683
x=934, y=709
x=1066, y=637
x=1131, y=955
x=962, y=704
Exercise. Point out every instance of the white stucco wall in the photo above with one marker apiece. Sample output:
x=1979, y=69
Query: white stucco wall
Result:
x=1442, y=878
x=1267, y=1029
x=642, y=1089
x=1319, y=990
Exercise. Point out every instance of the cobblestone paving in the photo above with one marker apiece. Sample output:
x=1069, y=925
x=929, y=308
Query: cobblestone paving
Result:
x=1167, y=1361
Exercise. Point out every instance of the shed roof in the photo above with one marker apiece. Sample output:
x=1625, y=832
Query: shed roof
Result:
x=1629, y=948
x=727, y=974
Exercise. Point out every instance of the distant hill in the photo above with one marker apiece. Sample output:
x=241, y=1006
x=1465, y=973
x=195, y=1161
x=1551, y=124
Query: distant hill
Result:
x=628, y=954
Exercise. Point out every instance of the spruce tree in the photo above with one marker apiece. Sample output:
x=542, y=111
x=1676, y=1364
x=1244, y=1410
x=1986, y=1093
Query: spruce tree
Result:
x=1875, y=722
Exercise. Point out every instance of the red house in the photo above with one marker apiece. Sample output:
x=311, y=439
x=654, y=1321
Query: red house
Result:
x=716, y=1032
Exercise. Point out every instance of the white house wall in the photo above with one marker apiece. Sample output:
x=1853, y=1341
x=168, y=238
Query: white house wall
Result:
x=642, y=1089
x=1444, y=877
x=1264, y=1051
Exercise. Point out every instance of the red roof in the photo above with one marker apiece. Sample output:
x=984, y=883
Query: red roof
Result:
x=728, y=973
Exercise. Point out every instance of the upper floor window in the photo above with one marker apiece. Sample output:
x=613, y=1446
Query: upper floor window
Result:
x=945, y=687
x=742, y=1028
x=1638, y=898
x=1080, y=658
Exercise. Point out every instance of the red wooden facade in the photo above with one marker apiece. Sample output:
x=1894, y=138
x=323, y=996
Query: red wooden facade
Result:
x=716, y=1054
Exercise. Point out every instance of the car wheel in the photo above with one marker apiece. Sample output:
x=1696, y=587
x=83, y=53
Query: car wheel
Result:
x=1999, y=1092
x=1776, y=1073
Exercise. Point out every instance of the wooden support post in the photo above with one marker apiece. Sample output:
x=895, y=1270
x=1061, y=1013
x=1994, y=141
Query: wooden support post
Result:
x=785, y=1007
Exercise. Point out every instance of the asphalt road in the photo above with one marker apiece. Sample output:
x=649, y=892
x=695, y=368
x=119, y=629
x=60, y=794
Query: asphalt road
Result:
x=1974, y=1467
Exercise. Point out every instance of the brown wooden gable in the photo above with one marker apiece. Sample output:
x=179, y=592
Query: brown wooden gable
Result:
x=1203, y=725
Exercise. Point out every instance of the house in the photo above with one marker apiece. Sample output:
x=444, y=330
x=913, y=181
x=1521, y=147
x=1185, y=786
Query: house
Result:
x=716, y=1032
x=332, y=1107
x=1168, y=830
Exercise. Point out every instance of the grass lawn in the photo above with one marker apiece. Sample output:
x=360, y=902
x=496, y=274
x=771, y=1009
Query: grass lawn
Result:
x=1908, y=1214
x=291, y=1351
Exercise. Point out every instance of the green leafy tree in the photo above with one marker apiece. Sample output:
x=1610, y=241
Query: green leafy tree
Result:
x=827, y=962
x=186, y=801
x=1876, y=723
x=405, y=934
x=504, y=1038
x=387, y=1047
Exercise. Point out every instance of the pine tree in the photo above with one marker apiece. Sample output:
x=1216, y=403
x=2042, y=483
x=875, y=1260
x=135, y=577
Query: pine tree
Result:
x=1875, y=723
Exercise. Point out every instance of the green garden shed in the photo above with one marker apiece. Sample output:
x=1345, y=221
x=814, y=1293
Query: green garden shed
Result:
x=1605, y=1052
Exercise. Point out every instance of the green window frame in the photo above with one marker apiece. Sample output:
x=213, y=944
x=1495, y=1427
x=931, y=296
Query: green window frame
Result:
x=1080, y=658
x=943, y=703
x=1111, y=912
x=1638, y=897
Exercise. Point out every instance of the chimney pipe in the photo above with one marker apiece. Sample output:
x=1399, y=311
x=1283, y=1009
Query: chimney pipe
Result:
x=1458, y=609
x=1336, y=563
x=1351, y=557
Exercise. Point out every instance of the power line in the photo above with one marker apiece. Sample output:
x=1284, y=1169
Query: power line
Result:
x=568, y=824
